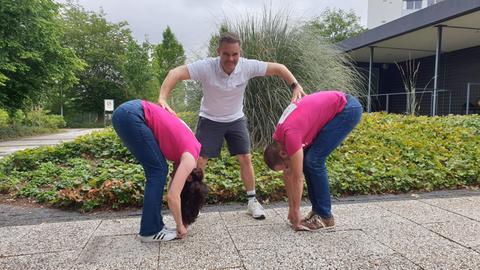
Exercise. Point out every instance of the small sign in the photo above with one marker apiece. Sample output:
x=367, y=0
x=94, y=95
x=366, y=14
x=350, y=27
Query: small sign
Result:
x=108, y=105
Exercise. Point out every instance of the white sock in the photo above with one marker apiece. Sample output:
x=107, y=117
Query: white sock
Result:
x=251, y=195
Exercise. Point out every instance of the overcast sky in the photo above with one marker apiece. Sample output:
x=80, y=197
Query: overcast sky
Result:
x=193, y=21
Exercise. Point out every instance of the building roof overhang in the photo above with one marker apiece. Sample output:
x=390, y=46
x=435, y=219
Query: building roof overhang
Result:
x=415, y=35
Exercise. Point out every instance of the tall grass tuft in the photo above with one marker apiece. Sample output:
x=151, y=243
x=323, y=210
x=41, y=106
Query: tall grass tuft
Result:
x=316, y=64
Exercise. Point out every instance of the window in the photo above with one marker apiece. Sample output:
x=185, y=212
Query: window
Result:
x=413, y=4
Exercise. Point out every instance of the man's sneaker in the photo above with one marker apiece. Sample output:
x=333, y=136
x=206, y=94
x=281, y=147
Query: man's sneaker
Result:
x=164, y=235
x=255, y=209
x=314, y=222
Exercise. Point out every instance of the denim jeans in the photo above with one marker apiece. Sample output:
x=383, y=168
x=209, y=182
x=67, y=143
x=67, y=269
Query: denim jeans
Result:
x=128, y=120
x=329, y=138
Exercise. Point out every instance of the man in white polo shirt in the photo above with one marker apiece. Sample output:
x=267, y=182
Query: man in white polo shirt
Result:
x=224, y=80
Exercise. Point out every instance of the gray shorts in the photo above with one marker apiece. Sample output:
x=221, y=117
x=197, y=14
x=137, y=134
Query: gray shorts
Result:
x=211, y=135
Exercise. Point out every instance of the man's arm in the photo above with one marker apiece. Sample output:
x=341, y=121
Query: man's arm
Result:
x=283, y=72
x=175, y=75
x=293, y=177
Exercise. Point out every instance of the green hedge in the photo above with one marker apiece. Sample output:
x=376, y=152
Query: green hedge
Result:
x=20, y=124
x=385, y=154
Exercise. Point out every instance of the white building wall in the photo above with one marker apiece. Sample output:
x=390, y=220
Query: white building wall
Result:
x=384, y=11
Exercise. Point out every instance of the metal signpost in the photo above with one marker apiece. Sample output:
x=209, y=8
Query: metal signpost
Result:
x=107, y=113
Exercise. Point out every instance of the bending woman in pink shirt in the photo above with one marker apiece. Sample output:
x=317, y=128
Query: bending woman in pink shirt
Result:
x=153, y=135
x=307, y=132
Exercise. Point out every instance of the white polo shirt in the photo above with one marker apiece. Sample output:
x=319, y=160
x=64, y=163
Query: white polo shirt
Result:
x=223, y=94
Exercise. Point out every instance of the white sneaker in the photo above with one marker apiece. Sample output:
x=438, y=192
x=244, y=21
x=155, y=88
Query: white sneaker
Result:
x=164, y=235
x=255, y=209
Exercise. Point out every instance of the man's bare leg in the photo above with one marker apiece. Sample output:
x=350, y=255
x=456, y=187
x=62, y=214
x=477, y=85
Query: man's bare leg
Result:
x=202, y=163
x=248, y=177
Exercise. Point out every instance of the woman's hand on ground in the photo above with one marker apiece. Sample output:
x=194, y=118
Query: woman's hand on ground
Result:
x=181, y=231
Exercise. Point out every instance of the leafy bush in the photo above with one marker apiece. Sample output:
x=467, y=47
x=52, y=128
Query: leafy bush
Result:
x=40, y=118
x=4, y=119
x=385, y=154
x=34, y=122
x=18, y=118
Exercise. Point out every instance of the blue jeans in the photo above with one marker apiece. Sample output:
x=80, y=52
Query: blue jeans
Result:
x=329, y=138
x=128, y=120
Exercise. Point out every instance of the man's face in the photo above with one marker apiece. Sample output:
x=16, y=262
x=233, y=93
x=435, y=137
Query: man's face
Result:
x=229, y=54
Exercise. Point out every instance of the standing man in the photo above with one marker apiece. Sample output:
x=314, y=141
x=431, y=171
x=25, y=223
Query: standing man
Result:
x=224, y=80
x=307, y=132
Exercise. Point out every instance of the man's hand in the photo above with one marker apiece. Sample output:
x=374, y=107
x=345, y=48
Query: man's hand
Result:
x=297, y=93
x=164, y=104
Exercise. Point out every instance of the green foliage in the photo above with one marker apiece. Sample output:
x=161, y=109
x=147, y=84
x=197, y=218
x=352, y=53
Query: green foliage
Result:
x=315, y=63
x=384, y=154
x=103, y=46
x=137, y=71
x=40, y=118
x=336, y=25
x=32, y=58
x=168, y=55
x=18, y=118
x=4, y=118
x=37, y=121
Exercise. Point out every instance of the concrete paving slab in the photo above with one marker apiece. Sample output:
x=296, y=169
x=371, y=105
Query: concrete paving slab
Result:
x=418, y=211
x=48, y=237
x=118, y=252
x=277, y=258
x=466, y=206
x=369, y=235
x=390, y=262
x=423, y=247
x=241, y=218
x=47, y=261
x=462, y=231
x=208, y=245
x=342, y=244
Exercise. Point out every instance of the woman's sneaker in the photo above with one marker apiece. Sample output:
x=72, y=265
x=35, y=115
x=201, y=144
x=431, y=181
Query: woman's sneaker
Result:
x=164, y=235
x=315, y=222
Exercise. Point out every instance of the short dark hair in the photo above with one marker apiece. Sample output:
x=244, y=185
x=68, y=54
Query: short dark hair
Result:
x=193, y=196
x=228, y=37
x=271, y=155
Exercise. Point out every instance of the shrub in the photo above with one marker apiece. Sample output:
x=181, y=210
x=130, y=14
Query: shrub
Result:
x=384, y=154
x=40, y=118
x=4, y=119
x=18, y=118
x=31, y=123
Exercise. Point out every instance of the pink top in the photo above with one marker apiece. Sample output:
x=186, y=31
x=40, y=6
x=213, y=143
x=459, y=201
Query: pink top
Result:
x=301, y=121
x=172, y=134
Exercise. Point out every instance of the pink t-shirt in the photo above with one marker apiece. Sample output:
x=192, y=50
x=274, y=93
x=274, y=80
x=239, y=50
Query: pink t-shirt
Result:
x=173, y=136
x=301, y=121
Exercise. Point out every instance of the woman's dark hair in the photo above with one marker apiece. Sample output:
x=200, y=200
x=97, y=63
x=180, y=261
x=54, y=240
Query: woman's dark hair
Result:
x=193, y=196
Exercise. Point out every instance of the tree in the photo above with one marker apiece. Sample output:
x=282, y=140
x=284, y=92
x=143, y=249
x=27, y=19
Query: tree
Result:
x=103, y=46
x=32, y=58
x=138, y=71
x=168, y=55
x=336, y=25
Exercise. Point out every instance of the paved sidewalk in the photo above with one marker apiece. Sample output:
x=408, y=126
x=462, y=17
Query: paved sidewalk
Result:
x=428, y=231
x=64, y=135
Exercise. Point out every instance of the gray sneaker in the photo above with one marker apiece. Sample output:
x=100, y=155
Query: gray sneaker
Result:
x=255, y=209
x=315, y=222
